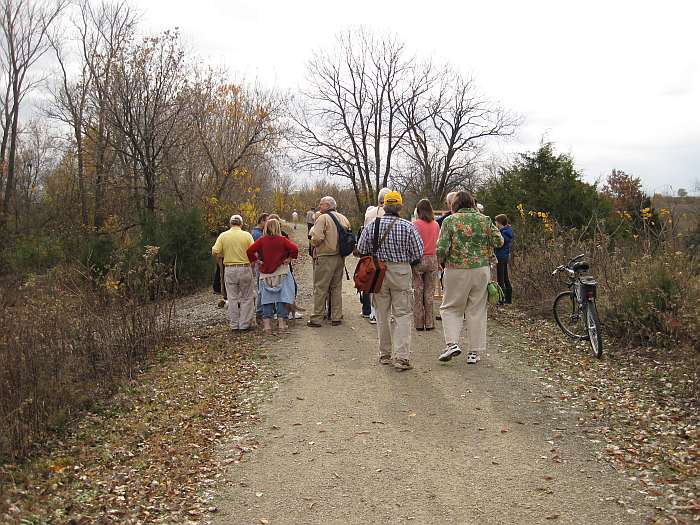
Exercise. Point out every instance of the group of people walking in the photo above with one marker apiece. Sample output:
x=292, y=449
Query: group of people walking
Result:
x=457, y=247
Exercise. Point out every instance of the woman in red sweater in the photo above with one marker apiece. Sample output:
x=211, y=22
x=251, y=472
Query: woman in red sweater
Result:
x=276, y=285
x=424, y=272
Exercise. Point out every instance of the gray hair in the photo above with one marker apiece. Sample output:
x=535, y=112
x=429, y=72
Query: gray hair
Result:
x=382, y=194
x=330, y=201
x=450, y=197
x=392, y=209
x=236, y=220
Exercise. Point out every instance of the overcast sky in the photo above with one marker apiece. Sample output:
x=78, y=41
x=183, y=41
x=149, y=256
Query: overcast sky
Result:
x=615, y=83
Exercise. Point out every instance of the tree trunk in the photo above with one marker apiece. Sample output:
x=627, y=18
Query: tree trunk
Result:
x=10, y=182
x=81, y=175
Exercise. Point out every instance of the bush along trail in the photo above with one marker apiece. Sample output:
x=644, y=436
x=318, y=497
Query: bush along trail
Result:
x=537, y=432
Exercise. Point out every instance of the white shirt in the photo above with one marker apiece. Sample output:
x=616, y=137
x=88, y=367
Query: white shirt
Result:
x=372, y=213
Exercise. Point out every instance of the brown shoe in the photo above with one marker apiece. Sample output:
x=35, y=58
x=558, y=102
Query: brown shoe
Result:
x=402, y=364
x=385, y=360
x=314, y=324
x=336, y=323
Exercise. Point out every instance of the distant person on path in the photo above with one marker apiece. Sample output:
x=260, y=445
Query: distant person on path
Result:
x=276, y=288
x=257, y=230
x=400, y=247
x=502, y=256
x=464, y=248
x=329, y=265
x=448, y=199
x=310, y=220
x=424, y=273
x=372, y=213
x=231, y=246
x=295, y=218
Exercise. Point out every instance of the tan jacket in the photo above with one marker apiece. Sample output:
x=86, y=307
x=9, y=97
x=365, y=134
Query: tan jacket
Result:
x=324, y=235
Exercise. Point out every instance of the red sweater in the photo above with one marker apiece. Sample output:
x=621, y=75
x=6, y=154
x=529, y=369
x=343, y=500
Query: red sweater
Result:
x=271, y=251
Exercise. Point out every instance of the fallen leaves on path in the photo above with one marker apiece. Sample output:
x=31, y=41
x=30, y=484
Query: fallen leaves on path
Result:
x=149, y=454
x=641, y=404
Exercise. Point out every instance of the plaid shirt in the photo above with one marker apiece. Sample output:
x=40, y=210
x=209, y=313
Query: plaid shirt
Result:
x=402, y=245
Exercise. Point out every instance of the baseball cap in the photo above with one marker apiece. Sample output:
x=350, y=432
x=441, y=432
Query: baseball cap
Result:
x=393, y=197
x=234, y=217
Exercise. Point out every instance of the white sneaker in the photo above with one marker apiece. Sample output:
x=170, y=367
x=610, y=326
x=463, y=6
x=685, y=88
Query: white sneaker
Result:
x=298, y=315
x=472, y=358
x=451, y=350
x=372, y=320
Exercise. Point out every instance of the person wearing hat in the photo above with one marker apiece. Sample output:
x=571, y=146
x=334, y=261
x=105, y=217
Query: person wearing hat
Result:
x=400, y=248
x=231, y=246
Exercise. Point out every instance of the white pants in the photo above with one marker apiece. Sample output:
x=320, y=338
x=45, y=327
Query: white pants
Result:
x=464, y=297
x=240, y=291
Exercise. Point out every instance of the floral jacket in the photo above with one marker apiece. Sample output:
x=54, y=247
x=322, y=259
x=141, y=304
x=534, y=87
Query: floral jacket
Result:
x=467, y=239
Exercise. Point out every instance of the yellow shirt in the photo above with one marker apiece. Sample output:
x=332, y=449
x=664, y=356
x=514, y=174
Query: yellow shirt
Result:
x=232, y=245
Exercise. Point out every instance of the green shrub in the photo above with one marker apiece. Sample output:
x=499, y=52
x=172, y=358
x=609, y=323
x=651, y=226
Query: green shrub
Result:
x=98, y=253
x=32, y=254
x=184, y=243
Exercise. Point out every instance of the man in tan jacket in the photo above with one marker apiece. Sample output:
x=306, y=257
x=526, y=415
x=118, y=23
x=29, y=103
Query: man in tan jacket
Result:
x=329, y=265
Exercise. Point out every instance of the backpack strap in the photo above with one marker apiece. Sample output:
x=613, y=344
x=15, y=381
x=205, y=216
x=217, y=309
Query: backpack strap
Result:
x=378, y=245
x=337, y=226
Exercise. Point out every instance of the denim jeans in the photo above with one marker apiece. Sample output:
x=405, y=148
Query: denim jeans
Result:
x=268, y=310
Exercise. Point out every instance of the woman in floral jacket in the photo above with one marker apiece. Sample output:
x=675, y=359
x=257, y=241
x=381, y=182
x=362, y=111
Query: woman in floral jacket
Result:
x=464, y=249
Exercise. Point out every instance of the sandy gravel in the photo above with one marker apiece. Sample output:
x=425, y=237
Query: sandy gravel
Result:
x=347, y=440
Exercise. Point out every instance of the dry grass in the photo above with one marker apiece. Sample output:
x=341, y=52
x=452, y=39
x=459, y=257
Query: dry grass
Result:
x=648, y=294
x=63, y=344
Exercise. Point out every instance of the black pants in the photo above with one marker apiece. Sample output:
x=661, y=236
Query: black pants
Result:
x=504, y=281
x=366, y=300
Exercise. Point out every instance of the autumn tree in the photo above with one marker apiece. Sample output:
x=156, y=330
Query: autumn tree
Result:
x=145, y=103
x=238, y=127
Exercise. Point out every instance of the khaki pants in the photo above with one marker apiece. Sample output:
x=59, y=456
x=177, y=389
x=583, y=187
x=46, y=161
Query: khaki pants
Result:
x=465, y=293
x=424, y=291
x=241, y=296
x=395, y=298
x=328, y=282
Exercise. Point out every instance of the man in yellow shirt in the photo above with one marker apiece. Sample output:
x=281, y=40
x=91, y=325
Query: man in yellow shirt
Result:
x=231, y=246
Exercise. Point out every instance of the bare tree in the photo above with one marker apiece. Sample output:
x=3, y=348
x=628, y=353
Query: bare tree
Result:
x=145, y=102
x=447, y=132
x=101, y=33
x=350, y=119
x=24, y=25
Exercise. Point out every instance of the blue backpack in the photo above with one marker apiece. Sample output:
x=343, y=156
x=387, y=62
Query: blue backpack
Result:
x=346, y=238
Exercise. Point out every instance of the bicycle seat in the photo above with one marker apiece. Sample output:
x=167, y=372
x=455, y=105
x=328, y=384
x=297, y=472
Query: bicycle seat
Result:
x=580, y=266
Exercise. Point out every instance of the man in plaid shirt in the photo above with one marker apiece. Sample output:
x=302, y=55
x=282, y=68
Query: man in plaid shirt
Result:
x=401, y=247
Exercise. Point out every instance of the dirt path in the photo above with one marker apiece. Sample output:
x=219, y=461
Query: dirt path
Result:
x=347, y=440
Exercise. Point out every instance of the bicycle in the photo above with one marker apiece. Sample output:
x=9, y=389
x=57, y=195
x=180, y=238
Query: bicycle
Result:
x=575, y=310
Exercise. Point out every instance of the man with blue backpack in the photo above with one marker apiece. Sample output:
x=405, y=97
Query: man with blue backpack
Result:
x=332, y=240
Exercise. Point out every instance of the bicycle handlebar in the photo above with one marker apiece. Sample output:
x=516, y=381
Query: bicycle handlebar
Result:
x=580, y=256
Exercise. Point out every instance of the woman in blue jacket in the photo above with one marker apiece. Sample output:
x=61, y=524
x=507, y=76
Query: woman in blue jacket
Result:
x=502, y=255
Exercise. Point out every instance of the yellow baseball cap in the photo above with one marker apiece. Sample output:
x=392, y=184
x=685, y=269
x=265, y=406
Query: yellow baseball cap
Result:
x=393, y=197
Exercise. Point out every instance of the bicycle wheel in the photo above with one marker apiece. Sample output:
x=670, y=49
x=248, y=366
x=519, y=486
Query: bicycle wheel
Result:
x=595, y=337
x=568, y=316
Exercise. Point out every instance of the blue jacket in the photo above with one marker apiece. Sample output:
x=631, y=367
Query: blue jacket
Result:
x=503, y=252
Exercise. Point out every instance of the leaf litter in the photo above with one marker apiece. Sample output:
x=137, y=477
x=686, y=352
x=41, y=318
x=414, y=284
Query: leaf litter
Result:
x=152, y=453
x=639, y=404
